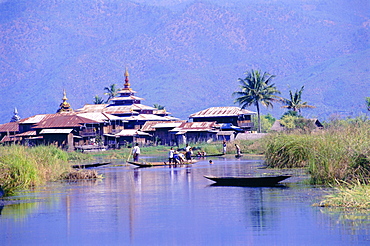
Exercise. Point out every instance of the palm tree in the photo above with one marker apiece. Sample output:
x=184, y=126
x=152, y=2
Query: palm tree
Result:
x=111, y=91
x=256, y=89
x=98, y=100
x=295, y=102
x=159, y=107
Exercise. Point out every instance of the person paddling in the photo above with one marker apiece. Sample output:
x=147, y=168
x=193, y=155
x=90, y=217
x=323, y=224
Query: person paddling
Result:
x=136, y=152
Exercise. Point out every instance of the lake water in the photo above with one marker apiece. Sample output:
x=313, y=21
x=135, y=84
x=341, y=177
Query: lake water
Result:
x=178, y=206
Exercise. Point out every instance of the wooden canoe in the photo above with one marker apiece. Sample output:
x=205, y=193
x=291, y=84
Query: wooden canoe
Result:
x=248, y=181
x=210, y=155
x=157, y=164
x=98, y=164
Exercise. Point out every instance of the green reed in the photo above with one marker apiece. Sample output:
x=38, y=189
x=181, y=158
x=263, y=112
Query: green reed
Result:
x=337, y=153
x=22, y=167
x=354, y=195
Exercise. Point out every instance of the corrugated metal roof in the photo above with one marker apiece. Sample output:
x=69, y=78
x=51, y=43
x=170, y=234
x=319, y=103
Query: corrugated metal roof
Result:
x=56, y=131
x=64, y=121
x=92, y=108
x=221, y=112
x=150, y=117
x=99, y=117
x=9, y=127
x=126, y=98
x=195, y=126
x=25, y=134
x=148, y=126
x=167, y=125
x=33, y=119
x=130, y=133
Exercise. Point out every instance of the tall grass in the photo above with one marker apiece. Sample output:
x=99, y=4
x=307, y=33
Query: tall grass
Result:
x=353, y=195
x=337, y=153
x=22, y=167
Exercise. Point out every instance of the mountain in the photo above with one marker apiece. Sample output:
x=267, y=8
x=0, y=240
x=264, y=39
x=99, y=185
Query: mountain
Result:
x=186, y=55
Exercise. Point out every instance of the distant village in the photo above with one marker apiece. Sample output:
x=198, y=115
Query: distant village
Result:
x=123, y=121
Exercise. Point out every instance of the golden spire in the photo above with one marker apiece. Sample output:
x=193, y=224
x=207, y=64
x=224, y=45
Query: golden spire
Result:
x=127, y=84
x=64, y=106
x=64, y=95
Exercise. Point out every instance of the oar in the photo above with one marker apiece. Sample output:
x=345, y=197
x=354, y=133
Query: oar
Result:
x=129, y=155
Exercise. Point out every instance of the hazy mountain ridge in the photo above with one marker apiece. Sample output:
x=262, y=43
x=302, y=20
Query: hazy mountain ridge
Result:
x=186, y=58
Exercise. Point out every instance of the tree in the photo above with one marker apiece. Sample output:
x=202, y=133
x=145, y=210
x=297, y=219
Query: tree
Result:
x=98, y=100
x=256, y=89
x=295, y=102
x=368, y=103
x=159, y=107
x=111, y=91
x=266, y=122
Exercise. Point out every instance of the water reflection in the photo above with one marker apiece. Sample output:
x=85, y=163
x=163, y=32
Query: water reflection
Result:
x=172, y=206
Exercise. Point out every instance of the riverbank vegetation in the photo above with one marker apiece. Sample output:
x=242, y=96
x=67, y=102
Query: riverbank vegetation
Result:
x=338, y=153
x=355, y=195
x=23, y=167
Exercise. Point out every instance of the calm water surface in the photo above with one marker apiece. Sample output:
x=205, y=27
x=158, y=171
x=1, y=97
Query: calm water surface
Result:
x=178, y=206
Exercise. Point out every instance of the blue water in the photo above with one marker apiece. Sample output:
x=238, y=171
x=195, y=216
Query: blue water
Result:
x=178, y=206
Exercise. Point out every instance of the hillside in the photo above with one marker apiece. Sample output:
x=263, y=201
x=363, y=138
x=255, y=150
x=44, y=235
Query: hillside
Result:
x=186, y=56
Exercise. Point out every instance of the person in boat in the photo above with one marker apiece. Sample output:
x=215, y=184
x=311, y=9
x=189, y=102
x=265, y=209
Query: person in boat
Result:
x=170, y=156
x=204, y=153
x=188, y=152
x=136, y=152
x=199, y=154
x=237, y=149
x=224, y=148
x=182, y=157
x=176, y=157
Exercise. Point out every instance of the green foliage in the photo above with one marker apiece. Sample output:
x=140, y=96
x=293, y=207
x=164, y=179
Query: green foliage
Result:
x=355, y=195
x=293, y=122
x=159, y=107
x=368, y=103
x=111, y=91
x=291, y=113
x=295, y=101
x=266, y=122
x=22, y=167
x=288, y=121
x=337, y=153
x=98, y=100
x=256, y=89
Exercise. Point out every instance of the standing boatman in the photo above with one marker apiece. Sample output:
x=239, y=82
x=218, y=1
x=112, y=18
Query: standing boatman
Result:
x=136, y=152
x=188, y=152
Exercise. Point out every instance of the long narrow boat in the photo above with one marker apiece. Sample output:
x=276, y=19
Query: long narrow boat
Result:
x=248, y=181
x=157, y=164
x=208, y=155
x=98, y=164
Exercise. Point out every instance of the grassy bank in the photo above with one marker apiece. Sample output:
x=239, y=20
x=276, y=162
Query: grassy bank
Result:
x=335, y=154
x=22, y=167
x=348, y=196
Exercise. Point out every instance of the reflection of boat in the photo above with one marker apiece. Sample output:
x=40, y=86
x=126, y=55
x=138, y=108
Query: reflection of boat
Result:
x=208, y=155
x=157, y=164
x=98, y=164
x=248, y=181
x=238, y=155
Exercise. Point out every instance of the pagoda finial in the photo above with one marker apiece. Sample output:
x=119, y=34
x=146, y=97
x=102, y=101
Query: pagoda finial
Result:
x=64, y=106
x=15, y=117
x=127, y=84
x=64, y=95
